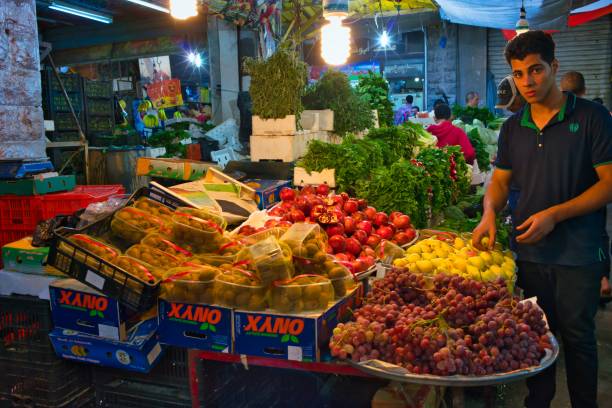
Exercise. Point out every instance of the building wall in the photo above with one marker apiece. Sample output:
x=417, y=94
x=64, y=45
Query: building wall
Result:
x=442, y=61
x=21, y=115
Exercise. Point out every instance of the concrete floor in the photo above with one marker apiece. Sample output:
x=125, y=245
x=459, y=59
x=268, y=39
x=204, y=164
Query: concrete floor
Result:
x=512, y=395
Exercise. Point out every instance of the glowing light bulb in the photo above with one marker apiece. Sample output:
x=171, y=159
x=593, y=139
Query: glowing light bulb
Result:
x=335, y=41
x=191, y=57
x=384, y=39
x=183, y=9
x=197, y=61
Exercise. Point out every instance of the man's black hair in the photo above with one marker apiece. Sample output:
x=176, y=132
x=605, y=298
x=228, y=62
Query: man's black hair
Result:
x=409, y=99
x=417, y=108
x=531, y=42
x=438, y=102
x=442, y=111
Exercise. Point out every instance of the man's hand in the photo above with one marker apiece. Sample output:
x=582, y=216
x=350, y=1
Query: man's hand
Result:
x=486, y=227
x=538, y=226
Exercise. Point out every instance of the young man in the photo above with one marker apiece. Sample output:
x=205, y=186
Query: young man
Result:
x=573, y=81
x=557, y=150
x=404, y=111
x=472, y=99
x=449, y=134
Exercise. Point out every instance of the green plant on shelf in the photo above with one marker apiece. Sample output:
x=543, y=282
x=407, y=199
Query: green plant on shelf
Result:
x=375, y=89
x=171, y=140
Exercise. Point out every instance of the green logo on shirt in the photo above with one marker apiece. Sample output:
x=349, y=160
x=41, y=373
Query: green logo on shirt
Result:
x=573, y=127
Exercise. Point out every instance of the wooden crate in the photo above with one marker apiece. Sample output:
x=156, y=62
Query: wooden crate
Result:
x=302, y=178
x=286, y=148
x=284, y=126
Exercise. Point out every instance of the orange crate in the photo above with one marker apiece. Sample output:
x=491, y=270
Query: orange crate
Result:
x=69, y=202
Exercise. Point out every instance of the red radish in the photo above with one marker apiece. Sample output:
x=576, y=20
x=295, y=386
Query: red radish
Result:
x=394, y=215
x=287, y=194
x=381, y=219
x=401, y=238
x=297, y=216
x=361, y=236
x=337, y=243
x=366, y=226
x=316, y=211
x=323, y=189
x=335, y=229
x=370, y=212
x=353, y=246
x=362, y=203
x=385, y=232
x=349, y=225
x=373, y=241
x=411, y=234
x=402, y=221
x=350, y=206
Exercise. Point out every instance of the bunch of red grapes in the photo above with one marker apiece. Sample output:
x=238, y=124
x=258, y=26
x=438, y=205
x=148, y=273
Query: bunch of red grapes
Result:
x=445, y=325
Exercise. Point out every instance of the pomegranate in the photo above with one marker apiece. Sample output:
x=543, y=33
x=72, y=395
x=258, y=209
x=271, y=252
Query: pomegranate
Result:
x=337, y=243
x=323, y=189
x=373, y=241
x=361, y=236
x=385, y=232
x=365, y=226
x=353, y=246
x=381, y=219
x=349, y=225
x=402, y=221
x=287, y=194
x=335, y=229
x=350, y=207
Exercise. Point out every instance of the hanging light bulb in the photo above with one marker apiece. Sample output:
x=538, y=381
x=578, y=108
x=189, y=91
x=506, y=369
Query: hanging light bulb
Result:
x=335, y=38
x=384, y=40
x=183, y=9
x=522, y=25
x=335, y=42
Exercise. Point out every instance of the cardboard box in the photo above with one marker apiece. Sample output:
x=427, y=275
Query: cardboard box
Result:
x=78, y=307
x=21, y=256
x=35, y=186
x=299, y=337
x=197, y=326
x=268, y=191
x=139, y=353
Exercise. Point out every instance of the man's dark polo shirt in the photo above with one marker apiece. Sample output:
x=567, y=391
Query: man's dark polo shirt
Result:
x=553, y=165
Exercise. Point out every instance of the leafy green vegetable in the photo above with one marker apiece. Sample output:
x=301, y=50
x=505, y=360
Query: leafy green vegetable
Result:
x=171, y=140
x=482, y=156
x=398, y=141
x=467, y=114
x=277, y=84
x=375, y=89
x=352, y=113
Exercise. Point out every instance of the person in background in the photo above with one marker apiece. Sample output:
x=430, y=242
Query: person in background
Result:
x=404, y=112
x=415, y=111
x=472, y=99
x=508, y=97
x=449, y=134
x=573, y=81
x=437, y=102
x=558, y=151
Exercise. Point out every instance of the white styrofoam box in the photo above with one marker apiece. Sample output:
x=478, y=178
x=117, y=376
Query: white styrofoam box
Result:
x=154, y=151
x=49, y=126
x=287, y=148
x=284, y=126
x=224, y=132
x=302, y=178
x=309, y=120
x=223, y=156
x=186, y=141
x=326, y=119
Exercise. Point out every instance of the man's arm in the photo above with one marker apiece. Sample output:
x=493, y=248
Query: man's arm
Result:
x=494, y=201
x=542, y=223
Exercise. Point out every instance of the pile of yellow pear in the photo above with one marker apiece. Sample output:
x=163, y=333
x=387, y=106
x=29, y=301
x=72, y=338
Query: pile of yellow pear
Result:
x=432, y=256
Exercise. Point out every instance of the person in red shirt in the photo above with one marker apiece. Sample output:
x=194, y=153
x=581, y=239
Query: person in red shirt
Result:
x=449, y=134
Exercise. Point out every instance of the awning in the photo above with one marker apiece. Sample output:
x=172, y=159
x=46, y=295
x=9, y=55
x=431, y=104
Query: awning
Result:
x=544, y=14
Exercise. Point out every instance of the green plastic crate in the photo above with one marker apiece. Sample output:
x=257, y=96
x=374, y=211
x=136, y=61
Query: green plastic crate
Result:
x=33, y=187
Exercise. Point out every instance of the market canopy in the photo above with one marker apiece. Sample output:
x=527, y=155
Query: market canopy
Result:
x=543, y=14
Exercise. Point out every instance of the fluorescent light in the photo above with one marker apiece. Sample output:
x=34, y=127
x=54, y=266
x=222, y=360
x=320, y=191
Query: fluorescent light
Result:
x=150, y=5
x=81, y=12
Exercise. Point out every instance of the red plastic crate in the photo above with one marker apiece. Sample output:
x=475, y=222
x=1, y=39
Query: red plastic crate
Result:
x=69, y=202
x=19, y=212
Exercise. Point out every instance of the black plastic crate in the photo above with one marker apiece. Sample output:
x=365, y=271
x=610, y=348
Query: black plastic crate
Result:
x=132, y=292
x=96, y=106
x=57, y=384
x=25, y=323
x=135, y=394
x=172, y=370
x=98, y=89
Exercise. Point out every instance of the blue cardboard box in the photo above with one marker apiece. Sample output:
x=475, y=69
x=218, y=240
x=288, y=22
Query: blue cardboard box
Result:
x=197, y=326
x=299, y=337
x=268, y=191
x=78, y=307
x=139, y=353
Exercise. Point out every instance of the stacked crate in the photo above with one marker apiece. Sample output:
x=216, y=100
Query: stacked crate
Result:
x=98, y=98
x=56, y=107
